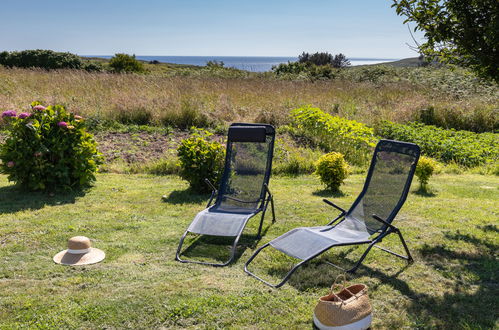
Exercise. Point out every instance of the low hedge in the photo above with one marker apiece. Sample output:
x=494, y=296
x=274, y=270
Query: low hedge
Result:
x=448, y=145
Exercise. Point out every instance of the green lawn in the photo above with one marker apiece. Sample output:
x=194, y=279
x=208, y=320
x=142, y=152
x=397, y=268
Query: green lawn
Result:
x=453, y=235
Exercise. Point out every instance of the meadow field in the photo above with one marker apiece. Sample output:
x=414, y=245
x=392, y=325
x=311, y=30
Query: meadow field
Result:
x=451, y=285
x=183, y=97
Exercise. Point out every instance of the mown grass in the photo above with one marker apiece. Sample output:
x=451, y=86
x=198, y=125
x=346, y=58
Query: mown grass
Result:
x=453, y=234
x=210, y=100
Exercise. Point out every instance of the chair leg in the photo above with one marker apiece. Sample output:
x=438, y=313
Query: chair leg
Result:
x=272, y=206
x=408, y=257
x=285, y=278
x=268, y=200
x=261, y=219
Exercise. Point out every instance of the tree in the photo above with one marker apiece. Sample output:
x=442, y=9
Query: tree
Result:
x=340, y=61
x=324, y=58
x=462, y=32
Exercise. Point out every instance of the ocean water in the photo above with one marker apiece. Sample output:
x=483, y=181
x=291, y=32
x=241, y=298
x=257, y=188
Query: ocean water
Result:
x=249, y=63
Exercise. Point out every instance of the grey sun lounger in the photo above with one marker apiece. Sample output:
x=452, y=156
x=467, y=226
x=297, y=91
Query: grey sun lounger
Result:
x=243, y=191
x=368, y=220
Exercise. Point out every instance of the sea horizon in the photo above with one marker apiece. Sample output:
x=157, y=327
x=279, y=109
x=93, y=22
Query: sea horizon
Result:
x=248, y=63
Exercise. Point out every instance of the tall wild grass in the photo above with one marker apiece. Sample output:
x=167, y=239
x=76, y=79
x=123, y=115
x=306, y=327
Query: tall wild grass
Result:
x=186, y=100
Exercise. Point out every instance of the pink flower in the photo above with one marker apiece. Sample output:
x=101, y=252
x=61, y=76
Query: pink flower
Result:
x=37, y=154
x=9, y=113
x=78, y=117
x=62, y=124
x=23, y=115
x=11, y=164
x=39, y=107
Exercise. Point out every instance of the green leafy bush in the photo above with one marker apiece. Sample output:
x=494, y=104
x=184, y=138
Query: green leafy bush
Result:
x=92, y=67
x=424, y=170
x=463, y=147
x=39, y=58
x=48, y=149
x=332, y=170
x=200, y=159
x=355, y=140
x=124, y=63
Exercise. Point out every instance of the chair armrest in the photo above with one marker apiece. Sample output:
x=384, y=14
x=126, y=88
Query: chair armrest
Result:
x=213, y=191
x=328, y=202
x=385, y=222
x=208, y=182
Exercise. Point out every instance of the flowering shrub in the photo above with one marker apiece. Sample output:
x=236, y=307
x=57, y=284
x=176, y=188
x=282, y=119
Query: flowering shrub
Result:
x=200, y=159
x=48, y=149
x=332, y=170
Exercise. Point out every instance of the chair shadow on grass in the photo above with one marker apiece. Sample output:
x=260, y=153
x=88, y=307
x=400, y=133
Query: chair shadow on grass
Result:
x=186, y=196
x=14, y=198
x=458, y=305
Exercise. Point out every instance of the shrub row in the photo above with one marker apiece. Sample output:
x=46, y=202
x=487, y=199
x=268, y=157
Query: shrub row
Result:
x=448, y=145
x=46, y=59
x=331, y=133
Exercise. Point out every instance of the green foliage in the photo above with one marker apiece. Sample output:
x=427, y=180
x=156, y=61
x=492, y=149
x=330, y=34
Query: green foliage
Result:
x=39, y=58
x=324, y=58
x=290, y=68
x=215, y=64
x=48, y=149
x=124, y=63
x=480, y=120
x=424, y=170
x=463, y=147
x=93, y=67
x=332, y=170
x=200, y=159
x=332, y=133
x=373, y=73
x=456, y=31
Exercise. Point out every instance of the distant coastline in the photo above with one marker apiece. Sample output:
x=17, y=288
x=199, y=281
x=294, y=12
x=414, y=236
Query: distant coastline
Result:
x=249, y=63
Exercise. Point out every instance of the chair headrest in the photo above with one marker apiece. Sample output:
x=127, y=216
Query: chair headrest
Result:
x=247, y=134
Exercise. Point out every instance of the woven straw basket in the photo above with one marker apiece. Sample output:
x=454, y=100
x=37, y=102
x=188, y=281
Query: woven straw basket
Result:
x=348, y=309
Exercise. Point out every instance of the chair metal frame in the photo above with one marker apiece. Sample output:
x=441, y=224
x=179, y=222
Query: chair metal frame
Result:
x=264, y=201
x=387, y=229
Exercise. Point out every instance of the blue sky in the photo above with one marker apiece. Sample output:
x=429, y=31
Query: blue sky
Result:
x=357, y=28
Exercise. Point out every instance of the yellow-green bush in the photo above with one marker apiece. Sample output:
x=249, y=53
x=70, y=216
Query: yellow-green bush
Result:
x=424, y=170
x=332, y=170
x=200, y=159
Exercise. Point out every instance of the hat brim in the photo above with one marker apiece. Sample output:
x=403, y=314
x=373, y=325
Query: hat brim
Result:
x=91, y=257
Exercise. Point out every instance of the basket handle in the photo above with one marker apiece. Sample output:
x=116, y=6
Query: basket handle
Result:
x=343, y=287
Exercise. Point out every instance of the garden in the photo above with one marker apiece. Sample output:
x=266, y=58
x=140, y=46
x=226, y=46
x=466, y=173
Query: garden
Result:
x=145, y=196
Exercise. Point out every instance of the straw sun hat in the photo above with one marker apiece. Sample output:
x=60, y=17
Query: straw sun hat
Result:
x=79, y=252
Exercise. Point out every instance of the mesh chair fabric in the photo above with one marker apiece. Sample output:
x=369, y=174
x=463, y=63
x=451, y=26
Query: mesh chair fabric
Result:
x=242, y=192
x=305, y=242
x=218, y=223
x=384, y=192
x=247, y=169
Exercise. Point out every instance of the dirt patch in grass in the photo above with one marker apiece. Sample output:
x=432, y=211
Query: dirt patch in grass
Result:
x=136, y=147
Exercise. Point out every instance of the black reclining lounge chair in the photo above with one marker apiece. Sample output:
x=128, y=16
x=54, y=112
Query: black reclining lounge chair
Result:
x=368, y=220
x=244, y=190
